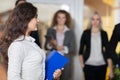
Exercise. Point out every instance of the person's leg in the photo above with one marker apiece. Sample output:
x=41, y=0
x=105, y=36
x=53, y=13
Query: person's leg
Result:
x=66, y=73
x=89, y=72
x=100, y=73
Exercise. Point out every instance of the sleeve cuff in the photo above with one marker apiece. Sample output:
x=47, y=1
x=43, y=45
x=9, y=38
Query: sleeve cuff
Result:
x=49, y=46
x=66, y=50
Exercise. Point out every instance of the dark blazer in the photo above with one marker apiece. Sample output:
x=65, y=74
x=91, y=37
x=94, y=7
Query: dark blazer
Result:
x=69, y=40
x=85, y=44
x=35, y=35
x=113, y=43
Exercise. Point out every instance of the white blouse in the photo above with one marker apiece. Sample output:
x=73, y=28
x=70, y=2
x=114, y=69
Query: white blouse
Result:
x=96, y=57
x=26, y=60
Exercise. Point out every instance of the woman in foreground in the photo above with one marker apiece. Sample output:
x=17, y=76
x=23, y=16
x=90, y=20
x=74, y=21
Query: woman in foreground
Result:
x=26, y=61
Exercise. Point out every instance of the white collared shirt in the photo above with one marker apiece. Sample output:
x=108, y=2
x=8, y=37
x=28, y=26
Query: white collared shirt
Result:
x=26, y=60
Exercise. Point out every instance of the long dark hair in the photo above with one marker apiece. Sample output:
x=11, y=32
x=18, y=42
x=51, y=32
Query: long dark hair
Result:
x=68, y=22
x=17, y=23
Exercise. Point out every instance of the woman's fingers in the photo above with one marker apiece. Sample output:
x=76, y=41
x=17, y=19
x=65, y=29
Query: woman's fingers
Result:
x=62, y=69
x=57, y=73
x=111, y=75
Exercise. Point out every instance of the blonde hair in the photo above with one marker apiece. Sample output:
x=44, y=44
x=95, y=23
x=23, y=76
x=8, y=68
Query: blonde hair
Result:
x=90, y=19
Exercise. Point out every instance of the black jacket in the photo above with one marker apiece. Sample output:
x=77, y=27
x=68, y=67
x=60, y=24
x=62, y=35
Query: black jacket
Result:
x=35, y=35
x=85, y=44
x=113, y=43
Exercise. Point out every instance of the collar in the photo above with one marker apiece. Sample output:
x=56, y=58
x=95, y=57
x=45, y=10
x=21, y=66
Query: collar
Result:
x=27, y=38
x=65, y=28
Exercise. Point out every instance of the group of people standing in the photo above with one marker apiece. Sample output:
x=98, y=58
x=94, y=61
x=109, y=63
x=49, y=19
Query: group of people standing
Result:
x=26, y=60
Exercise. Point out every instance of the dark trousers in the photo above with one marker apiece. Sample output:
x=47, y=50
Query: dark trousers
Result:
x=68, y=70
x=95, y=72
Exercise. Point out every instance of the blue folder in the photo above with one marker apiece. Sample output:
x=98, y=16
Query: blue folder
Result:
x=54, y=61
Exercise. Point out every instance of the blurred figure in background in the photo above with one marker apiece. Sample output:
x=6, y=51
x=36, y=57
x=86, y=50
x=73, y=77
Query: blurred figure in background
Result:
x=113, y=44
x=3, y=69
x=34, y=34
x=93, y=46
x=61, y=38
x=3, y=55
x=3, y=72
x=1, y=30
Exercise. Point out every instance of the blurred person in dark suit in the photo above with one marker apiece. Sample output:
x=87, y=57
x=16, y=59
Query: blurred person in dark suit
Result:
x=115, y=38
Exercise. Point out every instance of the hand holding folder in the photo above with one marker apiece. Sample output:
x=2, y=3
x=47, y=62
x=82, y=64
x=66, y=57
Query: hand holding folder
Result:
x=54, y=61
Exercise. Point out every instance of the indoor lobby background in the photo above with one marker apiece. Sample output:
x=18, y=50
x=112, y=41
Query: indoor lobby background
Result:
x=80, y=11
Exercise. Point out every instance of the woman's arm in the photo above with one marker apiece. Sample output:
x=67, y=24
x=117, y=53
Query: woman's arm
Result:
x=15, y=56
x=110, y=65
x=109, y=60
x=70, y=46
x=50, y=42
x=81, y=61
x=72, y=43
x=113, y=44
x=81, y=49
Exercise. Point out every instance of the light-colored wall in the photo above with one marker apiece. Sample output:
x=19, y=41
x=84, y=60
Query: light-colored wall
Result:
x=6, y=5
x=117, y=12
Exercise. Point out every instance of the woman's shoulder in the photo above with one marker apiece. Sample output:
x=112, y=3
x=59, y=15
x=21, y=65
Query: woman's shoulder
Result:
x=117, y=28
x=87, y=31
x=51, y=29
x=16, y=44
x=117, y=25
x=103, y=31
x=70, y=31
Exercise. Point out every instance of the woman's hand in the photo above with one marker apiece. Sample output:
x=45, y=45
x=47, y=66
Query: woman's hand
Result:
x=81, y=61
x=82, y=65
x=53, y=43
x=110, y=65
x=111, y=74
x=57, y=73
x=60, y=48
